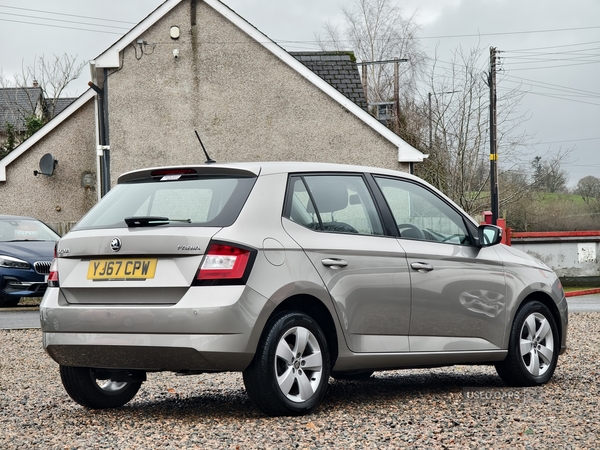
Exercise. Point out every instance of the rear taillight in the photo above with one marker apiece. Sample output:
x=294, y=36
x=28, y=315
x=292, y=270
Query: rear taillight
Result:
x=225, y=262
x=53, y=277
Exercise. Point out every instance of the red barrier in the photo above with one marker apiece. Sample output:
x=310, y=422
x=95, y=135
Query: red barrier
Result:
x=582, y=292
x=554, y=234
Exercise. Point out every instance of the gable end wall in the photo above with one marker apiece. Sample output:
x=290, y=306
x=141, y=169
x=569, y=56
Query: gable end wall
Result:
x=246, y=104
x=59, y=198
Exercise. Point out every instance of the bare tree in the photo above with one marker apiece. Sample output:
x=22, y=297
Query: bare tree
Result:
x=52, y=75
x=377, y=30
x=30, y=99
x=589, y=189
x=548, y=176
x=450, y=122
x=458, y=134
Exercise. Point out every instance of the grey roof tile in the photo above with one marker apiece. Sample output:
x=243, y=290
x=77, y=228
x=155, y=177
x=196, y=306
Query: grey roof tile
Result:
x=62, y=103
x=16, y=104
x=339, y=69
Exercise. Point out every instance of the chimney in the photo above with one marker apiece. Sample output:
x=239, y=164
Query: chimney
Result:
x=35, y=83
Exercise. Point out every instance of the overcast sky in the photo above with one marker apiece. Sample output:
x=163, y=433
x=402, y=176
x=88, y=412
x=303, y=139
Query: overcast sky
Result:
x=550, y=48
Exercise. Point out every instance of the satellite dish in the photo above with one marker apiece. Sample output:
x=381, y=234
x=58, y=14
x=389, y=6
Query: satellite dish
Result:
x=47, y=165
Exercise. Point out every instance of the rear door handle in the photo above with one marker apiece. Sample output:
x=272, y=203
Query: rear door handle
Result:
x=421, y=267
x=334, y=263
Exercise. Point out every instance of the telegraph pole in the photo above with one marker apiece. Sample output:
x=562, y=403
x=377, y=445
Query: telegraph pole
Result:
x=493, y=137
x=397, y=93
x=364, y=65
x=430, y=123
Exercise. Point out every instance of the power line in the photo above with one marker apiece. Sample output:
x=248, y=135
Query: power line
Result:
x=536, y=63
x=511, y=33
x=62, y=27
x=65, y=21
x=549, y=58
x=557, y=97
x=546, y=48
x=68, y=15
x=449, y=36
x=557, y=66
x=553, y=85
x=569, y=140
x=509, y=60
x=444, y=65
x=531, y=54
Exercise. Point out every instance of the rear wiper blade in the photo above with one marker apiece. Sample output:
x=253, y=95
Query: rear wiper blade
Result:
x=151, y=221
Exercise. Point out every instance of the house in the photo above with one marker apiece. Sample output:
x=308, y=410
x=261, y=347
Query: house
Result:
x=17, y=106
x=22, y=110
x=193, y=66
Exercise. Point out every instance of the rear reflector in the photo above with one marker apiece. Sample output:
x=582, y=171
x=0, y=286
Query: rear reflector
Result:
x=53, y=277
x=224, y=262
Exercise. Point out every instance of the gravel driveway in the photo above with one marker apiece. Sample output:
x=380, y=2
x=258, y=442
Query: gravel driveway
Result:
x=439, y=408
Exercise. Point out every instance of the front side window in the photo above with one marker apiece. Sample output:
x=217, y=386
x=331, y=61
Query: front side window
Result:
x=333, y=203
x=421, y=214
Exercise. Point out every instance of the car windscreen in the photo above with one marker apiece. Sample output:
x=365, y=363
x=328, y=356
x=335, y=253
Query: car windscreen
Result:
x=16, y=229
x=204, y=201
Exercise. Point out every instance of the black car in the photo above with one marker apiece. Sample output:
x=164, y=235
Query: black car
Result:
x=26, y=252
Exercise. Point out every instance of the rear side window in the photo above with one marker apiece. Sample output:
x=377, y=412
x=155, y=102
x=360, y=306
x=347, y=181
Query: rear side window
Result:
x=333, y=203
x=214, y=202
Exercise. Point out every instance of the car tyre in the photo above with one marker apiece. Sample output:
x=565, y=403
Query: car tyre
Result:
x=82, y=386
x=289, y=374
x=533, y=347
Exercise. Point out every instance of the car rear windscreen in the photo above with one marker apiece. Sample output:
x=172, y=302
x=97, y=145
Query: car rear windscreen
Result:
x=207, y=201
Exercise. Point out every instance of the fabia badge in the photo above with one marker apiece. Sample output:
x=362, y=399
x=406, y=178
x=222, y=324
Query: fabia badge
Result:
x=115, y=244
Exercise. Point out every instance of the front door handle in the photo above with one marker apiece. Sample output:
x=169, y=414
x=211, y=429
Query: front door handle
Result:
x=334, y=263
x=421, y=267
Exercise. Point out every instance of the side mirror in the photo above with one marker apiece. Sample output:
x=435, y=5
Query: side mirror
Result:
x=489, y=235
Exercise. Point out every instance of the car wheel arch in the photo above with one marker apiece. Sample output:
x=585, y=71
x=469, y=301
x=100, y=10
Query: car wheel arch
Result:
x=547, y=301
x=319, y=312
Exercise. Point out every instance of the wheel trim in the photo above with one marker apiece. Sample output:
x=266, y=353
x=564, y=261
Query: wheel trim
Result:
x=110, y=386
x=298, y=364
x=536, y=345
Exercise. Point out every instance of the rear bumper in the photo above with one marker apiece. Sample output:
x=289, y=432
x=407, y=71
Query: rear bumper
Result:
x=149, y=352
x=209, y=329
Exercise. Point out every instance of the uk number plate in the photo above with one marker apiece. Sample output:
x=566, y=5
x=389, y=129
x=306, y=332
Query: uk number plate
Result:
x=121, y=269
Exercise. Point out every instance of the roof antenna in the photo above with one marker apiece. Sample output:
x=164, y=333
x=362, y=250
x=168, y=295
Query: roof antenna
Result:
x=208, y=159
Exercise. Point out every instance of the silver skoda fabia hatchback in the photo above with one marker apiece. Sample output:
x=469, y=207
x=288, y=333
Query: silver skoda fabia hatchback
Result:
x=290, y=273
